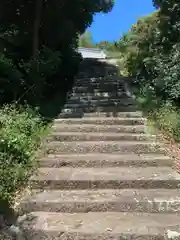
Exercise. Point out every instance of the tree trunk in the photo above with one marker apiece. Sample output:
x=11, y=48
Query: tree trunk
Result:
x=37, y=22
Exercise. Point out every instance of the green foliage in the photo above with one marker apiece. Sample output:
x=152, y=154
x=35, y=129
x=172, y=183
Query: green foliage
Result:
x=20, y=135
x=168, y=119
x=38, y=42
x=108, y=46
x=148, y=59
x=151, y=52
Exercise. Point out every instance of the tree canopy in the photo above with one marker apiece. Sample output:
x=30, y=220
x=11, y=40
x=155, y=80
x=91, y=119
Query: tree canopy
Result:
x=151, y=50
x=38, y=41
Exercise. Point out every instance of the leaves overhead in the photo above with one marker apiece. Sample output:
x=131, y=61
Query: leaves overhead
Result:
x=35, y=32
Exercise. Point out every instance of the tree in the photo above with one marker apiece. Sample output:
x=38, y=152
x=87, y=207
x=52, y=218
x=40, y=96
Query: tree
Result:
x=152, y=53
x=106, y=45
x=37, y=22
x=46, y=33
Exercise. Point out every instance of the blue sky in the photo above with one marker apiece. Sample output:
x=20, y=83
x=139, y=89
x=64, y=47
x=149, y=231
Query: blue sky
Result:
x=125, y=13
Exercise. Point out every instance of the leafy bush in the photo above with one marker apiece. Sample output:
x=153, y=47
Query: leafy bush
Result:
x=168, y=119
x=20, y=134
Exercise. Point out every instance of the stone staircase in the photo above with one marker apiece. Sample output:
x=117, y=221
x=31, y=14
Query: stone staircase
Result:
x=103, y=176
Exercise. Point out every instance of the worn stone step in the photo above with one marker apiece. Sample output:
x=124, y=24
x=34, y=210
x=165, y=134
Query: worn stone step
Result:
x=98, y=74
x=100, y=226
x=103, y=86
x=104, y=200
x=92, y=109
x=102, y=121
x=83, y=136
x=103, y=79
x=103, y=147
x=100, y=80
x=93, y=106
x=96, y=90
x=104, y=160
x=106, y=178
x=106, y=109
x=100, y=95
x=100, y=84
x=136, y=114
x=98, y=128
x=101, y=102
x=85, y=101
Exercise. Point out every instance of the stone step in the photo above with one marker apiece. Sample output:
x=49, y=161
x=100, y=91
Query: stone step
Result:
x=103, y=200
x=103, y=147
x=98, y=74
x=83, y=136
x=93, y=105
x=136, y=114
x=104, y=160
x=105, y=178
x=92, y=89
x=97, y=109
x=100, y=84
x=102, y=121
x=102, y=79
x=97, y=69
x=100, y=226
x=100, y=95
x=85, y=101
x=114, y=79
x=98, y=128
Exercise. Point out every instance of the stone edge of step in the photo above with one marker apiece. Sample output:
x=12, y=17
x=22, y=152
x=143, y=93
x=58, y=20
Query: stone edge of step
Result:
x=38, y=225
x=103, y=200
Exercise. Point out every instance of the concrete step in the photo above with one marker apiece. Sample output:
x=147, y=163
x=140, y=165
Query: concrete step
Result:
x=100, y=84
x=101, y=101
x=102, y=121
x=138, y=147
x=100, y=95
x=98, y=128
x=83, y=136
x=91, y=105
x=92, y=89
x=104, y=160
x=101, y=79
x=98, y=74
x=114, y=79
x=103, y=200
x=100, y=226
x=136, y=114
x=105, y=178
x=92, y=109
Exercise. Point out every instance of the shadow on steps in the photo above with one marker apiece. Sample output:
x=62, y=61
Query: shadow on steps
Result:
x=98, y=90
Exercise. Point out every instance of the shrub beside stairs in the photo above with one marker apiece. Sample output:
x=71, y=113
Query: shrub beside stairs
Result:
x=103, y=176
